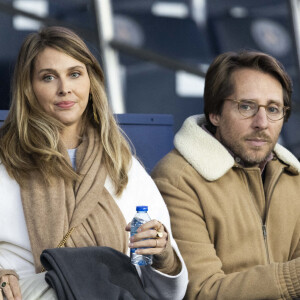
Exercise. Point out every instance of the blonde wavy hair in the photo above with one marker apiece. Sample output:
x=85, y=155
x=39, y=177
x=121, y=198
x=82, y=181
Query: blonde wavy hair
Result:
x=29, y=138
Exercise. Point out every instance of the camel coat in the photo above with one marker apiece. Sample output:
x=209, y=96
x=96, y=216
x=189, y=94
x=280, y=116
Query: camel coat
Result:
x=238, y=236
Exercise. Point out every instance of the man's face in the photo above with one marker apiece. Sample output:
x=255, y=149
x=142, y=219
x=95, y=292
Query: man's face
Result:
x=251, y=139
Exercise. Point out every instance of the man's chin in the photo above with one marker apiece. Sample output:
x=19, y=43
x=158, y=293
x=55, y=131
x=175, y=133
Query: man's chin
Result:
x=254, y=159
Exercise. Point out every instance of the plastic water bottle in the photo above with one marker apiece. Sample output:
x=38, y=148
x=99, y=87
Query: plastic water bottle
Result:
x=140, y=218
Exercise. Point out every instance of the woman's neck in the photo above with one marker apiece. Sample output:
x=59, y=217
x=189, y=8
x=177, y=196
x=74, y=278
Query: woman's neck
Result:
x=71, y=136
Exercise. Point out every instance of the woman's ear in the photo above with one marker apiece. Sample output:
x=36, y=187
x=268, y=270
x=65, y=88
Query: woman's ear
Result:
x=214, y=119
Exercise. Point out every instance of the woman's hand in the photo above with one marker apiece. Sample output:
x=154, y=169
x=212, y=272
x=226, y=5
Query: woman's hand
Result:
x=9, y=285
x=151, y=235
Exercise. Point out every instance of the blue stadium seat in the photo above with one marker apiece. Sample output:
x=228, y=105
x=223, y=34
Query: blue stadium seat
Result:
x=151, y=135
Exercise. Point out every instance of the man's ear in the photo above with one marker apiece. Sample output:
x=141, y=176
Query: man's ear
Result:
x=214, y=119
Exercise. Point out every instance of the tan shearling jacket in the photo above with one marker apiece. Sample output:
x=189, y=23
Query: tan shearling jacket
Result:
x=238, y=236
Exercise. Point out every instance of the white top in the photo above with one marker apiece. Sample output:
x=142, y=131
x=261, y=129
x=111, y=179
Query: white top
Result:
x=72, y=155
x=15, y=249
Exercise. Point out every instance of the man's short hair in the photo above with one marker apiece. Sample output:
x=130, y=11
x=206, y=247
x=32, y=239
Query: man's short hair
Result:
x=219, y=84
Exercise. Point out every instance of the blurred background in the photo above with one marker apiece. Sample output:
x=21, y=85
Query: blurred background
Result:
x=155, y=53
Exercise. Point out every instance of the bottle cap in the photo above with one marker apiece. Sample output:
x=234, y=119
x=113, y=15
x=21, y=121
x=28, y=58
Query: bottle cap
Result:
x=142, y=208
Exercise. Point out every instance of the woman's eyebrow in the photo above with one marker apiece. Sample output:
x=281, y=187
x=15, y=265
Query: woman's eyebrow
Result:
x=47, y=70
x=76, y=67
x=50, y=70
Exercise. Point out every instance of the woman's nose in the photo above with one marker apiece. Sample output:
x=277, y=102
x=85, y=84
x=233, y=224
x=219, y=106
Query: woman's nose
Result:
x=63, y=87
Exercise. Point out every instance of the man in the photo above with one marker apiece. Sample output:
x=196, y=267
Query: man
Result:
x=233, y=193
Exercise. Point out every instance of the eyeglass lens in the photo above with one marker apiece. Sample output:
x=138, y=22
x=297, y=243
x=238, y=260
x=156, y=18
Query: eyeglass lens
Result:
x=249, y=109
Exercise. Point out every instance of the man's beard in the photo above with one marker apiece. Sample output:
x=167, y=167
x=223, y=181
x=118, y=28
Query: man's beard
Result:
x=250, y=156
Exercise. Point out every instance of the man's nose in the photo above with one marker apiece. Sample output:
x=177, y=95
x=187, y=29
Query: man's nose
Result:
x=260, y=120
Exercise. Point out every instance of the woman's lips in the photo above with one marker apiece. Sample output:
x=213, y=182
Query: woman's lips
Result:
x=65, y=104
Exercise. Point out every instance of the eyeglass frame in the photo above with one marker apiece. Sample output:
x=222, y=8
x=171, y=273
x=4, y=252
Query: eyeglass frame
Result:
x=285, y=108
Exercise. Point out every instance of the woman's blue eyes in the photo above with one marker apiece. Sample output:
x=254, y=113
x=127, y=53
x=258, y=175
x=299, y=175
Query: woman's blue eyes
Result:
x=75, y=75
x=49, y=78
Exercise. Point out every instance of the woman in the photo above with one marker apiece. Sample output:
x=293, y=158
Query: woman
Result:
x=67, y=175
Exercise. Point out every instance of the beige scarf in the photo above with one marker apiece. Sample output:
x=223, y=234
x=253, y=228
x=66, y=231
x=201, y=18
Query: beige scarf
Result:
x=51, y=210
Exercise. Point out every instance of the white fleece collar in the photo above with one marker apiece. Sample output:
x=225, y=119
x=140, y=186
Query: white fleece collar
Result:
x=208, y=156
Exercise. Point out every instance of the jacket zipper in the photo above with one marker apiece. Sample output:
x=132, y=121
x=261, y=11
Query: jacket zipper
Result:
x=264, y=229
x=264, y=226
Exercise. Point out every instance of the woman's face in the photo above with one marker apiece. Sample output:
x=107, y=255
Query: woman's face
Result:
x=61, y=85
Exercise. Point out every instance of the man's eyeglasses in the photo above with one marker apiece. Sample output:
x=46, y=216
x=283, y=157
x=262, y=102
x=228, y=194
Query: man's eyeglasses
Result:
x=248, y=108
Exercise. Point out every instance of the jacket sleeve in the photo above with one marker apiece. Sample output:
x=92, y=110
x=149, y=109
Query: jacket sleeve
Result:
x=206, y=278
